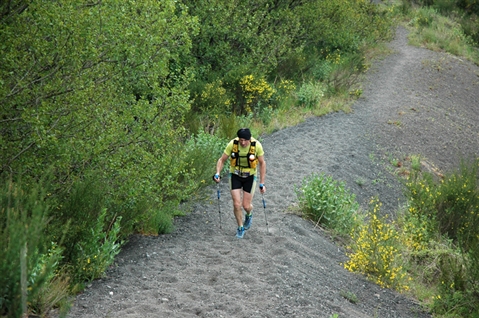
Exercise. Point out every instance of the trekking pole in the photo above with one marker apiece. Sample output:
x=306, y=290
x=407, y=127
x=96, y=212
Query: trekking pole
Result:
x=264, y=206
x=219, y=195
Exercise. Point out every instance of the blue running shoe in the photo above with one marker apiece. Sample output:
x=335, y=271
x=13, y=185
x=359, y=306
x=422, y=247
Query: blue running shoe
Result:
x=240, y=232
x=247, y=221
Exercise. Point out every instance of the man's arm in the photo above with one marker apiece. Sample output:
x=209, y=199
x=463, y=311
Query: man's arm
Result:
x=219, y=165
x=262, y=172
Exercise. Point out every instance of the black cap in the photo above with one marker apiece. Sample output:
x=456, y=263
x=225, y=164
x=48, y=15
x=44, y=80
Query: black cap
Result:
x=244, y=133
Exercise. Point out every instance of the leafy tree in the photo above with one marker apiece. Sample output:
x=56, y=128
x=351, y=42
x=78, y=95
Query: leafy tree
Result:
x=239, y=38
x=94, y=86
x=343, y=25
x=270, y=39
x=471, y=6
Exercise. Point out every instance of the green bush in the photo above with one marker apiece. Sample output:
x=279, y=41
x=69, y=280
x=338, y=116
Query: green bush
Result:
x=471, y=6
x=453, y=294
x=424, y=17
x=55, y=293
x=344, y=25
x=310, y=94
x=374, y=250
x=87, y=230
x=27, y=260
x=458, y=218
x=322, y=70
x=120, y=115
x=202, y=152
x=77, y=212
x=419, y=221
x=470, y=25
x=327, y=202
x=96, y=249
x=404, y=8
x=344, y=72
x=458, y=205
x=445, y=6
x=164, y=218
x=447, y=210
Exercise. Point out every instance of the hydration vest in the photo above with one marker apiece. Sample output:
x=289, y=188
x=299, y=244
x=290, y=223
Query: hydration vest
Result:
x=250, y=158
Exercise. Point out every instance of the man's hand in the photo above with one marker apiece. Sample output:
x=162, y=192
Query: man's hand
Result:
x=262, y=188
x=216, y=178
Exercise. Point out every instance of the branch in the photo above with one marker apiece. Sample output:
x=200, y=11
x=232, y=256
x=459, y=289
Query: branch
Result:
x=13, y=91
x=32, y=143
x=93, y=4
x=10, y=119
x=21, y=152
x=11, y=9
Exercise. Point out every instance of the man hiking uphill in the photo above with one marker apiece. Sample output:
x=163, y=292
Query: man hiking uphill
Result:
x=244, y=153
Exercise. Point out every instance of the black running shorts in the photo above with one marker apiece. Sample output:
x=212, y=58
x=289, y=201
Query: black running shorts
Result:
x=248, y=184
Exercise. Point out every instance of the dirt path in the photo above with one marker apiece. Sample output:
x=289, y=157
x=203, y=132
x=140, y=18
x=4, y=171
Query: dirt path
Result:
x=414, y=102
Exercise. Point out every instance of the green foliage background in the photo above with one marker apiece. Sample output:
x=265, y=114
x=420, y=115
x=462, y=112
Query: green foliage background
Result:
x=87, y=89
x=112, y=113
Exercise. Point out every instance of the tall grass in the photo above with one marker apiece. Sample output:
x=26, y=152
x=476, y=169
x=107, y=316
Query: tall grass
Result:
x=28, y=260
x=441, y=33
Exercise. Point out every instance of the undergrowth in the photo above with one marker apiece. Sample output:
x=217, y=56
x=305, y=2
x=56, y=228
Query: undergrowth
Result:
x=431, y=250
